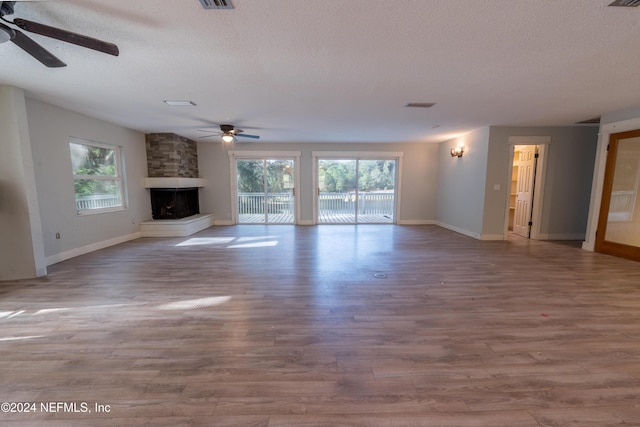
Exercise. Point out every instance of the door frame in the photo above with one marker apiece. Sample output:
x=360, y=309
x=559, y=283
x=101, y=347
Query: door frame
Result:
x=542, y=142
x=358, y=155
x=601, y=245
x=597, y=184
x=524, y=229
x=263, y=155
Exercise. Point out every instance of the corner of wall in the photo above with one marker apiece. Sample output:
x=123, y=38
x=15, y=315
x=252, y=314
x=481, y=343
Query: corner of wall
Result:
x=22, y=252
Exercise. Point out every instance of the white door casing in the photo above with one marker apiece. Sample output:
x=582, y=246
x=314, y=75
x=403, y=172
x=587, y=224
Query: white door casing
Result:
x=524, y=190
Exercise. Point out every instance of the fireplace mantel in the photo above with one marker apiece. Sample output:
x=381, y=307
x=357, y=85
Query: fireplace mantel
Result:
x=177, y=182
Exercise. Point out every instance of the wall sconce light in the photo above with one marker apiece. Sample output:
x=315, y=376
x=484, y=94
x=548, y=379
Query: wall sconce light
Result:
x=458, y=151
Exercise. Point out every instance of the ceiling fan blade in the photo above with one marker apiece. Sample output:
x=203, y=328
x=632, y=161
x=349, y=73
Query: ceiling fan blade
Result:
x=246, y=135
x=209, y=132
x=34, y=49
x=67, y=36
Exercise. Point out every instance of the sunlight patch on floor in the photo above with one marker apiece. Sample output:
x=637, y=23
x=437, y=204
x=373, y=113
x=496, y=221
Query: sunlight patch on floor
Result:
x=212, y=241
x=21, y=338
x=51, y=310
x=232, y=242
x=254, y=244
x=193, y=304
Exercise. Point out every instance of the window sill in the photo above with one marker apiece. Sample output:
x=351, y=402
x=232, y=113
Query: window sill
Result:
x=101, y=211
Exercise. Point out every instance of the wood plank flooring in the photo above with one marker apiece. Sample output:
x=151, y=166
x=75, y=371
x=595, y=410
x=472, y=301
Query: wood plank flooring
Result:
x=333, y=325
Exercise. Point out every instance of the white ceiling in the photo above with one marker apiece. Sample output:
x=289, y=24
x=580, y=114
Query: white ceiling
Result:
x=336, y=70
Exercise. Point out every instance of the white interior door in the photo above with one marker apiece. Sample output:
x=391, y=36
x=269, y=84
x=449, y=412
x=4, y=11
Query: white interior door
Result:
x=524, y=190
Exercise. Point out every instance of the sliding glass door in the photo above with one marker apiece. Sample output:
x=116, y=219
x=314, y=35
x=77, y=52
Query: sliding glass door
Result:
x=265, y=191
x=376, y=191
x=336, y=191
x=356, y=191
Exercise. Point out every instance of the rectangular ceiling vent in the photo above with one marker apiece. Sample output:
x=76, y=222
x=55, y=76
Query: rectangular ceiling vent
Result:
x=594, y=121
x=626, y=3
x=216, y=4
x=420, y=104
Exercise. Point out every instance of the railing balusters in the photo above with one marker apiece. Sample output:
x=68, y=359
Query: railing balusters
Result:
x=330, y=205
x=97, y=201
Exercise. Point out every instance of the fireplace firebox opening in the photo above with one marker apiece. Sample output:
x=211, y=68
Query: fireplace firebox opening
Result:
x=174, y=203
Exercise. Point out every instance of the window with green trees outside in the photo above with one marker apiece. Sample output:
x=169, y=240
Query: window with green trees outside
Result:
x=97, y=176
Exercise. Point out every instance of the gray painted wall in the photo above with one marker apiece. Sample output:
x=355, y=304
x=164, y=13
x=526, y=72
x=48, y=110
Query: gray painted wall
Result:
x=50, y=128
x=21, y=251
x=472, y=190
x=461, y=183
x=570, y=161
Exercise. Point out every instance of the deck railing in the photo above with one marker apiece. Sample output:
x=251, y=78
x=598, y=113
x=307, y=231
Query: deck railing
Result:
x=277, y=203
x=97, y=201
x=368, y=203
x=254, y=203
x=622, y=205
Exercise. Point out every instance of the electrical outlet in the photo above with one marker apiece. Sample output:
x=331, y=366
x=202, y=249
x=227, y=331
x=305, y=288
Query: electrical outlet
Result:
x=57, y=235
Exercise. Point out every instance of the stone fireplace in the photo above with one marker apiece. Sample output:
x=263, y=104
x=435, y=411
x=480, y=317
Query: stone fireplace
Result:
x=171, y=156
x=174, y=187
x=172, y=166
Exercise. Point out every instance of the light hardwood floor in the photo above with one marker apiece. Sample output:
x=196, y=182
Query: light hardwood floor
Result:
x=334, y=325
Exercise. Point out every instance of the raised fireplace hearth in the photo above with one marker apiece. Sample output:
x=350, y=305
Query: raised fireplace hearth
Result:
x=174, y=203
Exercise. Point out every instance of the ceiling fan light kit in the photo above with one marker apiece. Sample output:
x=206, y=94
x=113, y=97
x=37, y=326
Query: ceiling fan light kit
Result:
x=37, y=51
x=229, y=133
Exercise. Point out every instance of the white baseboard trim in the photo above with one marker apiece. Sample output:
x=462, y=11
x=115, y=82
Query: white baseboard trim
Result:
x=588, y=246
x=63, y=256
x=306, y=222
x=562, y=236
x=223, y=222
x=458, y=230
x=416, y=222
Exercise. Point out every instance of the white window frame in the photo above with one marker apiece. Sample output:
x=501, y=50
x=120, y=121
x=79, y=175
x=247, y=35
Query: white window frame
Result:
x=118, y=177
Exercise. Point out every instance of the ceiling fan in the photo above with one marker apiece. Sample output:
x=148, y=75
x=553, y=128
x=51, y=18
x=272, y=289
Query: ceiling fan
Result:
x=229, y=133
x=9, y=33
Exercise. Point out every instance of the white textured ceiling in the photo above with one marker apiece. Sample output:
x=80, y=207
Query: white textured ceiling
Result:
x=337, y=70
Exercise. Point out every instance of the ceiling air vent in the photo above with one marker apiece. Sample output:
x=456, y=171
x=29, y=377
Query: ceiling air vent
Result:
x=420, y=104
x=594, y=121
x=626, y=3
x=216, y=4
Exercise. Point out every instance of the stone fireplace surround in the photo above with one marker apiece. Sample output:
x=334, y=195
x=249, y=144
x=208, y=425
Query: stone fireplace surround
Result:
x=172, y=165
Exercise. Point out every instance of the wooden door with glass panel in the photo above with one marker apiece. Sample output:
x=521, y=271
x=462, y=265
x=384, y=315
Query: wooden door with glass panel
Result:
x=619, y=222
